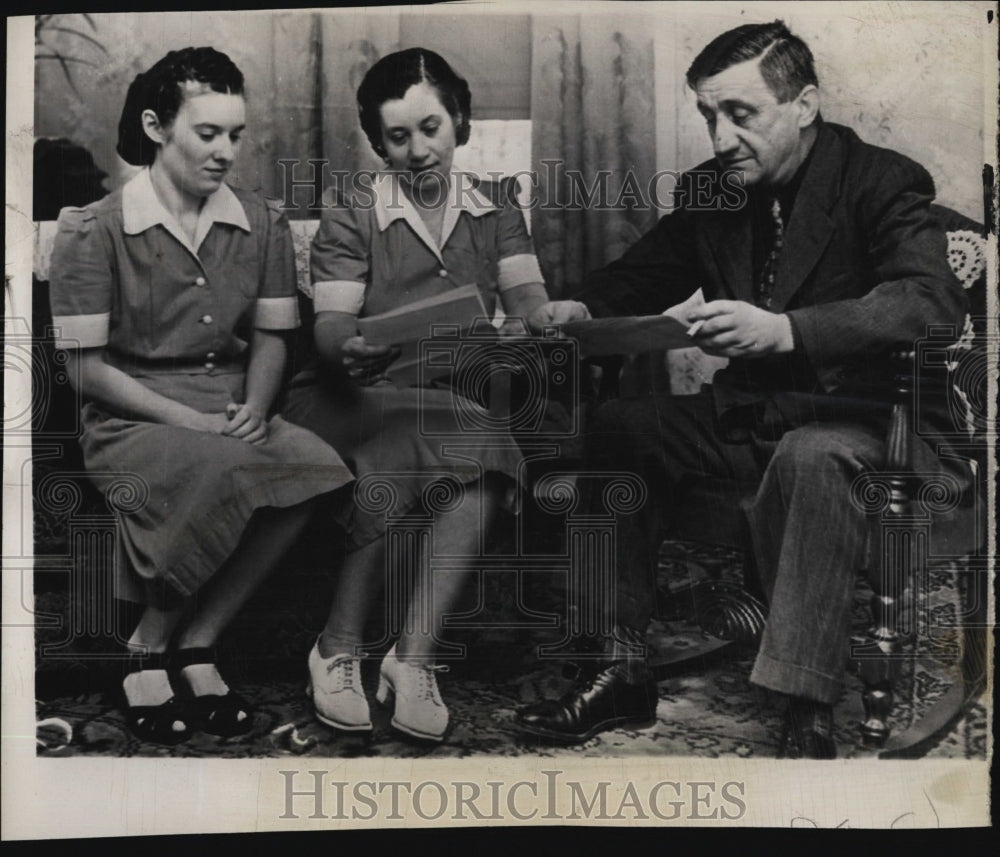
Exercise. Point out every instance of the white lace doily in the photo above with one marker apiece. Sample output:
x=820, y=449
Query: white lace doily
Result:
x=967, y=256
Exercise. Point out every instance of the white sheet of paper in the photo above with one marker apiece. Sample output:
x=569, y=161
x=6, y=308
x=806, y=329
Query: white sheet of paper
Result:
x=407, y=326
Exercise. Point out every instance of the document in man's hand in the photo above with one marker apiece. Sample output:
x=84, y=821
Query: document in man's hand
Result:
x=407, y=325
x=628, y=335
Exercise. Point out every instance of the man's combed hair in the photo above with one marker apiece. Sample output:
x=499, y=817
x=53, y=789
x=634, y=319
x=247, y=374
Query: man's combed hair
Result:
x=786, y=62
x=160, y=90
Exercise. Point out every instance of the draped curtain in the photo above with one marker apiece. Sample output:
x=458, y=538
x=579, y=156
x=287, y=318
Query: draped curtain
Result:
x=592, y=110
x=301, y=69
x=585, y=80
x=591, y=94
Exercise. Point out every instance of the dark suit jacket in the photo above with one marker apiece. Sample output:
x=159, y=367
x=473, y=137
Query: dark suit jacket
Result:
x=863, y=272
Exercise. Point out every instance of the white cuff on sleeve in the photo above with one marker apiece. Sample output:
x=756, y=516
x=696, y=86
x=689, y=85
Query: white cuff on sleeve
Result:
x=277, y=313
x=81, y=331
x=518, y=270
x=339, y=296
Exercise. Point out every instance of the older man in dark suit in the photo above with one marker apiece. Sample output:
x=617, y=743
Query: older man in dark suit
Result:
x=826, y=261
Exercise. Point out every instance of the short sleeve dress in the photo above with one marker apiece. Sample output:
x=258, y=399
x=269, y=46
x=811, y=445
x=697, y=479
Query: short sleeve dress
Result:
x=373, y=253
x=178, y=318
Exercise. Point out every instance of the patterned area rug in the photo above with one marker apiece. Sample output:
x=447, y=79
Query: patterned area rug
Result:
x=707, y=708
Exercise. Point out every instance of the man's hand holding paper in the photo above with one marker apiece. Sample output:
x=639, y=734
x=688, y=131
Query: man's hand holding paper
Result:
x=683, y=311
x=740, y=329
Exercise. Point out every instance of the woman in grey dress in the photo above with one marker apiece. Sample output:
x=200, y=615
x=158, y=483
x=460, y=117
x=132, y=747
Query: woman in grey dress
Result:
x=172, y=296
x=419, y=231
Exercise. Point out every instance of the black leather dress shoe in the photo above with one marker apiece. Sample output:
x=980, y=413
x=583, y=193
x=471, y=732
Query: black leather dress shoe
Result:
x=809, y=725
x=604, y=702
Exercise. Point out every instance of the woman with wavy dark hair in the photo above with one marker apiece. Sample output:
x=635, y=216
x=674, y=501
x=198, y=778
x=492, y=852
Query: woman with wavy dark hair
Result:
x=172, y=297
x=419, y=231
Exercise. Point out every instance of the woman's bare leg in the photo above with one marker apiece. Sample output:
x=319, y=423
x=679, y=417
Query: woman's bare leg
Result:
x=361, y=580
x=269, y=537
x=457, y=533
x=155, y=629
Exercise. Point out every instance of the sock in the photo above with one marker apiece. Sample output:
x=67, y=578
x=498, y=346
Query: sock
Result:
x=204, y=680
x=628, y=653
x=148, y=687
x=810, y=714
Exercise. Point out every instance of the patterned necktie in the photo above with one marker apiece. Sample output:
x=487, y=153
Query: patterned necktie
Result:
x=765, y=289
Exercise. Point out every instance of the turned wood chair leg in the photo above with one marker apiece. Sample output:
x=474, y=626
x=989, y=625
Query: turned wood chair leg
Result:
x=879, y=661
x=898, y=551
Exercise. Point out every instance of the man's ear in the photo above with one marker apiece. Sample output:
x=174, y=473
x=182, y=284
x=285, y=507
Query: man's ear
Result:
x=807, y=102
x=152, y=127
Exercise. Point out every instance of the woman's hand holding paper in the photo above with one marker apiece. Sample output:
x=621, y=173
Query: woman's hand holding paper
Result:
x=366, y=364
x=555, y=313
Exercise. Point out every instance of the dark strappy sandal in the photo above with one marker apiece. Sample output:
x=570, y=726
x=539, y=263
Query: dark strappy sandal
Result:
x=225, y=715
x=154, y=723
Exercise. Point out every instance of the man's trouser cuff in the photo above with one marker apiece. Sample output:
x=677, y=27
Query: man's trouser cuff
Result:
x=628, y=653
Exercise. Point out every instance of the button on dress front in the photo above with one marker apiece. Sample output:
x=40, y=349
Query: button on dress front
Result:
x=178, y=318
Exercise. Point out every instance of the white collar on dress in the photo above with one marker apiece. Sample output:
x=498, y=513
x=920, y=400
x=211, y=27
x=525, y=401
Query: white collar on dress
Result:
x=392, y=204
x=142, y=209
